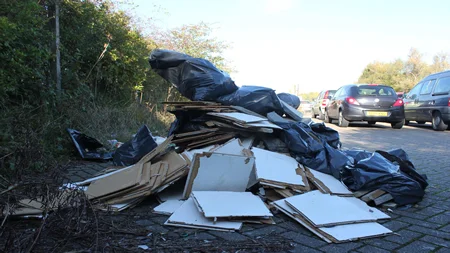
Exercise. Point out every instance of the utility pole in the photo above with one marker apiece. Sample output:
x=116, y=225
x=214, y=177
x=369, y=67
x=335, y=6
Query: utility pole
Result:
x=58, y=53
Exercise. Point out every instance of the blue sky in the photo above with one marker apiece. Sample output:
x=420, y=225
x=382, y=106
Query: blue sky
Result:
x=316, y=44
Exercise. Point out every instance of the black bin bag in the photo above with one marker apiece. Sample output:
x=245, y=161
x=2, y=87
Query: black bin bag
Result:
x=133, y=150
x=377, y=172
x=88, y=147
x=261, y=100
x=290, y=99
x=195, y=78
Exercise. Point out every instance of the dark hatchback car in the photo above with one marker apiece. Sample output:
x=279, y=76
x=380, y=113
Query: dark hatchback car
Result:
x=366, y=102
x=429, y=101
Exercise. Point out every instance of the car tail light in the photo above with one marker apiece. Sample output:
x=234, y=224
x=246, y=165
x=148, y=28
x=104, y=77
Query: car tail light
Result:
x=351, y=100
x=373, y=84
x=324, y=100
x=399, y=102
x=448, y=102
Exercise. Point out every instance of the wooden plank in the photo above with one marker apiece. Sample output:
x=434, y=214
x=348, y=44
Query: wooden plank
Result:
x=389, y=205
x=203, y=131
x=321, y=209
x=218, y=172
x=263, y=124
x=188, y=215
x=274, y=167
x=284, y=192
x=359, y=194
x=195, y=137
x=214, y=140
x=383, y=199
x=168, y=207
x=372, y=195
x=214, y=204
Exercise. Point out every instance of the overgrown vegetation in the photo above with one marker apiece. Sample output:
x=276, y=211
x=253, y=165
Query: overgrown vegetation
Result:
x=108, y=88
x=403, y=75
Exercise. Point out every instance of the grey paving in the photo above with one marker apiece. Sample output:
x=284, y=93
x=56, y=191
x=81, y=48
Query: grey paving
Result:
x=424, y=227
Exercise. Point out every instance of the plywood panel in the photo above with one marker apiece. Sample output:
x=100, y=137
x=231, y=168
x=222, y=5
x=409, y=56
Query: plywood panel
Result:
x=238, y=117
x=329, y=183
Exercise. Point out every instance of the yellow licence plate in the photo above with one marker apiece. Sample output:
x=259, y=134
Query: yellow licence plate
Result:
x=372, y=113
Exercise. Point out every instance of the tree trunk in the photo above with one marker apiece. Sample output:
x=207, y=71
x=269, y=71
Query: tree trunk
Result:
x=58, y=54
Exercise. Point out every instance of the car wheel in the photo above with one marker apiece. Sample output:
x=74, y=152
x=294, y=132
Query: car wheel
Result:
x=397, y=125
x=406, y=122
x=371, y=122
x=321, y=115
x=342, y=122
x=437, y=122
x=327, y=118
x=420, y=122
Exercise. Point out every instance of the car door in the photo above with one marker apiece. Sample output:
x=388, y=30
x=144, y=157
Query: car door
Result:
x=425, y=101
x=333, y=104
x=317, y=102
x=411, y=102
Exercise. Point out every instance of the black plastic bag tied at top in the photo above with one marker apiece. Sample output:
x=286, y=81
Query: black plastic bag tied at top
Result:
x=195, y=78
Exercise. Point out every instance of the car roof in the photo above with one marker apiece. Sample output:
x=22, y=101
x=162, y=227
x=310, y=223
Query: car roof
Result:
x=366, y=84
x=437, y=75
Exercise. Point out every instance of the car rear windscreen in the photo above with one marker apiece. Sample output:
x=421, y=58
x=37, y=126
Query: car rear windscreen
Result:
x=374, y=91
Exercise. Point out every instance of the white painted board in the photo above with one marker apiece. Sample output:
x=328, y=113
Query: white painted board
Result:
x=264, y=123
x=286, y=209
x=335, y=186
x=356, y=231
x=190, y=153
x=325, y=209
x=230, y=204
x=231, y=147
x=238, y=116
x=188, y=214
x=379, y=215
x=276, y=167
x=168, y=207
x=248, y=142
x=346, y=232
x=220, y=172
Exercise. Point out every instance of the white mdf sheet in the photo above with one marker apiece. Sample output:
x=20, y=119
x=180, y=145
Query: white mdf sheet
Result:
x=215, y=204
x=188, y=214
x=286, y=209
x=190, y=153
x=335, y=186
x=231, y=147
x=339, y=233
x=264, y=123
x=248, y=142
x=325, y=209
x=379, y=215
x=168, y=207
x=237, y=116
x=352, y=232
x=276, y=167
x=219, y=172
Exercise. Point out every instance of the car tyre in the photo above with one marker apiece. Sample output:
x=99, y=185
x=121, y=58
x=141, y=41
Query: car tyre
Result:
x=321, y=115
x=397, y=125
x=327, y=119
x=342, y=121
x=437, y=122
x=420, y=122
x=371, y=122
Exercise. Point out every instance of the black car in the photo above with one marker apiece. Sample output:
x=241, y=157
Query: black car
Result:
x=429, y=101
x=366, y=102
